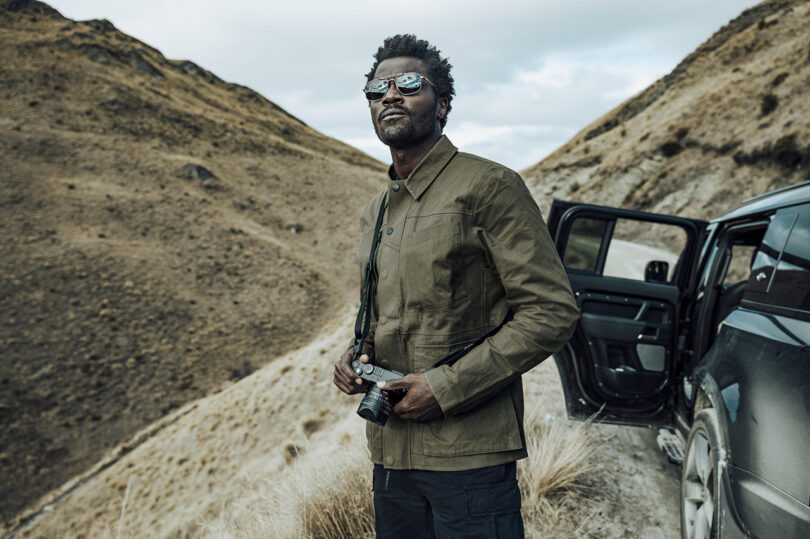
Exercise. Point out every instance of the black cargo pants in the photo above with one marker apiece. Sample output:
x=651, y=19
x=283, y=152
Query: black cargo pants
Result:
x=415, y=504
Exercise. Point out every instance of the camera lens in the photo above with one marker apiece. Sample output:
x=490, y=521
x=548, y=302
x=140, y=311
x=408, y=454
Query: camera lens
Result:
x=376, y=406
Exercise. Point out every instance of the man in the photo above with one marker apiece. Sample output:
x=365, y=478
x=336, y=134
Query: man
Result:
x=464, y=252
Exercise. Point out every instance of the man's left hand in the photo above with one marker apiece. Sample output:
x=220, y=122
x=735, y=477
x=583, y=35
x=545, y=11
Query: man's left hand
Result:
x=419, y=403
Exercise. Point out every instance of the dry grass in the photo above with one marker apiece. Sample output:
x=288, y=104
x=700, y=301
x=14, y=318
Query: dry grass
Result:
x=560, y=455
x=554, y=480
x=327, y=494
x=324, y=494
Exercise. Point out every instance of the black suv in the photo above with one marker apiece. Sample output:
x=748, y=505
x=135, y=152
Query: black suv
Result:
x=702, y=328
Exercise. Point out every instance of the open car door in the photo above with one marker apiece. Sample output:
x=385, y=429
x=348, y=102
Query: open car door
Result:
x=630, y=272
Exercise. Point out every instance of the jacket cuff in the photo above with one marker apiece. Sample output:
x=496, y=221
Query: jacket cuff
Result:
x=442, y=387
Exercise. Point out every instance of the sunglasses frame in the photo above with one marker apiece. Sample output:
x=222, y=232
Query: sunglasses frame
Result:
x=393, y=79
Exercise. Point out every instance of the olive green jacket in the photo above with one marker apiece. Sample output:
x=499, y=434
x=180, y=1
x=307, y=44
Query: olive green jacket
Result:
x=463, y=243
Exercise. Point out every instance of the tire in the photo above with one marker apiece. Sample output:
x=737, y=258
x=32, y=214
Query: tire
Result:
x=700, y=479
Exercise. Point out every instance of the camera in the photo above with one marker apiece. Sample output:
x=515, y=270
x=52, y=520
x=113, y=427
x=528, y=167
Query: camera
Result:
x=377, y=405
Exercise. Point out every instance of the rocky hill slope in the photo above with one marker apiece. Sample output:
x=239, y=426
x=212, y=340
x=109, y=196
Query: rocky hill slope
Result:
x=729, y=122
x=164, y=232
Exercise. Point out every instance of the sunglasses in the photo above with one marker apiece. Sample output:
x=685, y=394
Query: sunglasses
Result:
x=405, y=83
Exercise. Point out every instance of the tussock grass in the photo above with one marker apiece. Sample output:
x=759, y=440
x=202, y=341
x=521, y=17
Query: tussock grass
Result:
x=557, y=500
x=324, y=494
x=559, y=457
x=328, y=494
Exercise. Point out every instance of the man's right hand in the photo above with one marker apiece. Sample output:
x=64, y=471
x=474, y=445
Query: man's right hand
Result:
x=345, y=378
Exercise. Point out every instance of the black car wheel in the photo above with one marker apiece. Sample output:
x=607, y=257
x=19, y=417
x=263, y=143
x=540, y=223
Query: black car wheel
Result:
x=700, y=480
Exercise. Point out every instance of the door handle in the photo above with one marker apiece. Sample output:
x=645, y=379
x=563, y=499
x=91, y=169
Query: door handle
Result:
x=652, y=337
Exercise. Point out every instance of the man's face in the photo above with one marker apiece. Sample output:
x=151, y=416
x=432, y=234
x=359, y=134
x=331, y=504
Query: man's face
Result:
x=402, y=121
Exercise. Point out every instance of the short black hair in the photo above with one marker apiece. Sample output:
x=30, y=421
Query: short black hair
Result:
x=411, y=46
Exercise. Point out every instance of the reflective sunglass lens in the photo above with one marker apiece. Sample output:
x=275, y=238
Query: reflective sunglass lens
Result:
x=408, y=83
x=375, y=89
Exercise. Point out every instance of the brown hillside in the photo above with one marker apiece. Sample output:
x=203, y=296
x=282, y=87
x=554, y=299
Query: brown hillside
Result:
x=163, y=232
x=729, y=122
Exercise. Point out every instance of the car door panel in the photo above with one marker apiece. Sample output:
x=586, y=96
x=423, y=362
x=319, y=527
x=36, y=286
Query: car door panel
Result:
x=619, y=364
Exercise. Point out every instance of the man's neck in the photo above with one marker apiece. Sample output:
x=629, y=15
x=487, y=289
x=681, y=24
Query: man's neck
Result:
x=406, y=159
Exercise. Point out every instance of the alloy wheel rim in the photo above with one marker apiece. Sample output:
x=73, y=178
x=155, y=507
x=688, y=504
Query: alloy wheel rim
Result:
x=698, y=500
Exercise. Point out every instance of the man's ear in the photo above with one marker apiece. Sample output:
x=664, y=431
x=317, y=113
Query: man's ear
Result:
x=441, y=108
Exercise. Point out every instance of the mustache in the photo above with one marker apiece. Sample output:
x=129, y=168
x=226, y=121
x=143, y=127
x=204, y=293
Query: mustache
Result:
x=392, y=109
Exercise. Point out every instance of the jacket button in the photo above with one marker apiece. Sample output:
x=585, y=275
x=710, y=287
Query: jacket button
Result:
x=395, y=187
x=389, y=459
x=389, y=231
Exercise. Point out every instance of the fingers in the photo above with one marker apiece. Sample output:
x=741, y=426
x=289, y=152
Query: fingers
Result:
x=345, y=378
x=419, y=403
x=403, y=382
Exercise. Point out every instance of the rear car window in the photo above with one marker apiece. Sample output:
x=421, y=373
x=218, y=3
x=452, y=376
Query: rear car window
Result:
x=781, y=271
x=791, y=283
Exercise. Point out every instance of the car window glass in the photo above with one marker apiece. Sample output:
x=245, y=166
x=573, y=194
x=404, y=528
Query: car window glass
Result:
x=739, y=267
x=731, y=269
x=638, y=250
x=636, y=244
x=584, y=241
x=791, y=282
x=768, y=255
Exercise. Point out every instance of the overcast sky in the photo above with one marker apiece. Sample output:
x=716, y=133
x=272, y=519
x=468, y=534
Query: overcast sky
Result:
x=529, y=74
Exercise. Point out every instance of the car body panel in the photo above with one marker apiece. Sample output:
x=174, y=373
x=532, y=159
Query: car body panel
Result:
x=763, y=381
x=769, y=512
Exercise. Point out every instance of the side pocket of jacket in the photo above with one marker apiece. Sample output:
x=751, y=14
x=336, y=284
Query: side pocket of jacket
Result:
x=489, y=428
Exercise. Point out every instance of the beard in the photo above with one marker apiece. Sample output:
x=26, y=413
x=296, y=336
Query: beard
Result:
x=407, y=131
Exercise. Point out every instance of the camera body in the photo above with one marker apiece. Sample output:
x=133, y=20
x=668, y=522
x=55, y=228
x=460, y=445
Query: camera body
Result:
x=377, y=405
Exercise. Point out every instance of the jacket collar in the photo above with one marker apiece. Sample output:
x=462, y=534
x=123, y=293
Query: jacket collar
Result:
x=429, y=167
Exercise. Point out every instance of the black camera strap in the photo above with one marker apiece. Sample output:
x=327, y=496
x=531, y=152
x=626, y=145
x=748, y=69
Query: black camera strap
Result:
x=363, y=322
x=458, y=354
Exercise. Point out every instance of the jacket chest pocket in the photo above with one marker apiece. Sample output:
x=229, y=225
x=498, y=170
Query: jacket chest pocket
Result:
x=431, y=264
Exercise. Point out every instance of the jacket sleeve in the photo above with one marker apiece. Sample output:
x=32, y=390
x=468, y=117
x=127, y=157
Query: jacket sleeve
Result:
x=519, y=247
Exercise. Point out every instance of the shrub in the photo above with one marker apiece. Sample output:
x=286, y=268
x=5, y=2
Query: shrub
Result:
x=671, y=149
x=779, y=79
x=786, y=152
x=768, y=103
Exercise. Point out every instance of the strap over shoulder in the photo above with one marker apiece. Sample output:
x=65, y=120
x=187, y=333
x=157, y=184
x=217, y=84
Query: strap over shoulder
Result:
x=363, y=323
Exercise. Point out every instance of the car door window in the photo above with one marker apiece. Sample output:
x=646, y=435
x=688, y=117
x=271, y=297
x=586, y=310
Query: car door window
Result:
x=584, y=244
x=625, y=248
x=636, y=244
